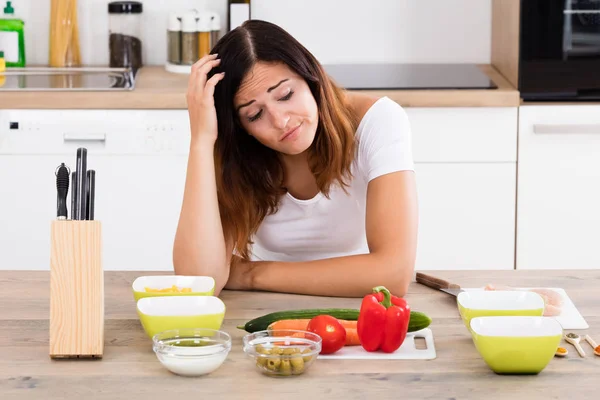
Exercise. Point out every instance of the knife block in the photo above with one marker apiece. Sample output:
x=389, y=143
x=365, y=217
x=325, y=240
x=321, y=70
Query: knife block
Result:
x=76, y=290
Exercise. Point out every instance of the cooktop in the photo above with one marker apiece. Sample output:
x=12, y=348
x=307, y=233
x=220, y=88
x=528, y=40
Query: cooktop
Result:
x=409, y=76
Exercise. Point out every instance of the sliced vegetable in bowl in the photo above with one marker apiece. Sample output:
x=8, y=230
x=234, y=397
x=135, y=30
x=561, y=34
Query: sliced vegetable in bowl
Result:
x=172, y=285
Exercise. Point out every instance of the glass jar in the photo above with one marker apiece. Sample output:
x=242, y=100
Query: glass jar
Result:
x=125, y=25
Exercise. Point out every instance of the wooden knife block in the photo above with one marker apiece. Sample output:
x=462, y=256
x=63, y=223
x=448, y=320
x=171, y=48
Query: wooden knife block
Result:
x=76, y=290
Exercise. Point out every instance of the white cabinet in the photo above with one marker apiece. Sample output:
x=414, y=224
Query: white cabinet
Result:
x=140, y=160
x=465, y=161
x=558, y=214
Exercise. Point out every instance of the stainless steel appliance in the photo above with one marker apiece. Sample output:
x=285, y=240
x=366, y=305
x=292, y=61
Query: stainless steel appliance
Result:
x=68, y=79
x=559, y=50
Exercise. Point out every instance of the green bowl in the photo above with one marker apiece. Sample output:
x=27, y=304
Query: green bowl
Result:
x=487, y=303
x=516, y=345
x=159, y=314
x=199, y=285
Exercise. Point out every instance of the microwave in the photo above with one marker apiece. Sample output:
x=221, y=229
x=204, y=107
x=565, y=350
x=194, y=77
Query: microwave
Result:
x=555, y=53
x=559, y=50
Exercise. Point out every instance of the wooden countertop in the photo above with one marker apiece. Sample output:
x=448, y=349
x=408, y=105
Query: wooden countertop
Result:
x=159, y=89
x=130, y=370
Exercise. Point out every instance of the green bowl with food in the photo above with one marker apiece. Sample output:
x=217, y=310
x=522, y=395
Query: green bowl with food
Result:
x=516, y=344
x=282, y=353
x=159, y=314
x=483, y=303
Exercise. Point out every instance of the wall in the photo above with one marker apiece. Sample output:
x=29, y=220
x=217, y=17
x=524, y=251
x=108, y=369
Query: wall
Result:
x=334, y=30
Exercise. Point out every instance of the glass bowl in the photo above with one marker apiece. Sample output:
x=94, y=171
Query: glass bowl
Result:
x=191, y=351
x=282, y=352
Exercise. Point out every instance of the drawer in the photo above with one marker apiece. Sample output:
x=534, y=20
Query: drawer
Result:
x=103, y=132
x=464, y=134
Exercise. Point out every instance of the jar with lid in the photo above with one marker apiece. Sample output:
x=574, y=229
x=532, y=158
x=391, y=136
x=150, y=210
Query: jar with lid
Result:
x=125, y=45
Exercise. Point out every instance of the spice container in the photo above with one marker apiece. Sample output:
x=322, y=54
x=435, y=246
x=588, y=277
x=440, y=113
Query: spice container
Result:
x=189, y=39
x=204, y=26
x=125, y=46
x=215, y=28
x=174, y=39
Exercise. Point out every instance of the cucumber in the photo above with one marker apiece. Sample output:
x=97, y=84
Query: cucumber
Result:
x=418, y=320
x=262, y=323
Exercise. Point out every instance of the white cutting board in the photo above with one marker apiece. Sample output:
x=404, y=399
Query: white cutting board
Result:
x=569, y=318
x=407, y=351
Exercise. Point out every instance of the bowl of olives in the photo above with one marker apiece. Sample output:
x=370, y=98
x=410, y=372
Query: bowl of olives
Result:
x=282, y=352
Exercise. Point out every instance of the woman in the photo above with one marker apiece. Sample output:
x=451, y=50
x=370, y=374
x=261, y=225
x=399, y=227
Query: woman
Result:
x=293, y=185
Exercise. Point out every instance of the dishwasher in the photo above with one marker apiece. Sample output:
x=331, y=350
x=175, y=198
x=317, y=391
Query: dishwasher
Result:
x=140, y=159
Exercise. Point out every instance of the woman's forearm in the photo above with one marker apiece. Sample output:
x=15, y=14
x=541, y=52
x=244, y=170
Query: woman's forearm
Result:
x=199, y=247
x=348, y=276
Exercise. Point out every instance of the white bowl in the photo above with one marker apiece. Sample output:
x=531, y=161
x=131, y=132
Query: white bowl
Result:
x=486, y=303
x=192, y=352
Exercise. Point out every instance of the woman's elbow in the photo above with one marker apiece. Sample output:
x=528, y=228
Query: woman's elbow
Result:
x=401, y=273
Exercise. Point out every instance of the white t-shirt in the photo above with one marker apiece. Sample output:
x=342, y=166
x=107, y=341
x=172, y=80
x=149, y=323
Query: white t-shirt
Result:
x=319, y=228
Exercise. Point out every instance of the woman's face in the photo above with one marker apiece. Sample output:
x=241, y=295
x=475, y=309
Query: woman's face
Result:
x=276, y=106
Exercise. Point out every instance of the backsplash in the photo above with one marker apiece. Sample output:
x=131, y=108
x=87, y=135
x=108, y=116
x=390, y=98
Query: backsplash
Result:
x=433, y=31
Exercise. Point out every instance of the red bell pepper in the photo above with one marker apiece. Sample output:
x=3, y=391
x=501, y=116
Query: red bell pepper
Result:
x=383, y=321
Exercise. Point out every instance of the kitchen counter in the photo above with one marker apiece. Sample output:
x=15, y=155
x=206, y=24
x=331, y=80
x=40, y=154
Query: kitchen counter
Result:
x=129, y=368
x=159, y=89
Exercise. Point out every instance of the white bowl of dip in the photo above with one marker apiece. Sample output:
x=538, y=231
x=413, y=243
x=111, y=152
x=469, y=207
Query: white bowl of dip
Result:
x=192, y=351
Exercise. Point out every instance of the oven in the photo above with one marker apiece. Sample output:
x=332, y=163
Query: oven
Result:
x=559, y=50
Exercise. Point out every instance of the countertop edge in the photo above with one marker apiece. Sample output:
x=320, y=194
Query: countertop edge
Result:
x=159, y=90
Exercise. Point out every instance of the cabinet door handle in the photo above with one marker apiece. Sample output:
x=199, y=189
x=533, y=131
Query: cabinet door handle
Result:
x=78, y=137
x=566, y=128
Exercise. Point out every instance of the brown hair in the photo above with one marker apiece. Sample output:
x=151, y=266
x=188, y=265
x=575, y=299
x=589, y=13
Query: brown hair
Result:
x=249, y=175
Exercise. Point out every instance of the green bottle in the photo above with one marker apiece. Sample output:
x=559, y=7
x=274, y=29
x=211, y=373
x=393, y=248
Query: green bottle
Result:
x=12, y=37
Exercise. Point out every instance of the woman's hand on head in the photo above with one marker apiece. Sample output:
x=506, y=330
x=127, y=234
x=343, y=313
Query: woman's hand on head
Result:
x=200, y=100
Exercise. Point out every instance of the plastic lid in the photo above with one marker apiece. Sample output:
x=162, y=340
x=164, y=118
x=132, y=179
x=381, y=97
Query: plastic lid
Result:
x=125, y=7
x=9, y=8
x=174, y=22
x=188, y=22
x=215, y=22
x=204, y=22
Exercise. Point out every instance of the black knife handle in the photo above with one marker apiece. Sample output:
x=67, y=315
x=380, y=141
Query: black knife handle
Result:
x=80, y=196
x=91, y=193
x=62, y=189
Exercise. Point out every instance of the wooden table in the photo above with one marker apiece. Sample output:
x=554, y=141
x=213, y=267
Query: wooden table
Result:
x=129, y=368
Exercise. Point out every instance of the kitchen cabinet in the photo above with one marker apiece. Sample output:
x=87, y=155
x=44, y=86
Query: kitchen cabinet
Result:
x=140, y=160
x=558, y=217
x=465, y=161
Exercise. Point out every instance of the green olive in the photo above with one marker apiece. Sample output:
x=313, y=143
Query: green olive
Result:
x=297, y=365
x=276, y=350
x=289, y=351
x=261, y=361
x=307, y=358
x=286, y=367
x=273, y=363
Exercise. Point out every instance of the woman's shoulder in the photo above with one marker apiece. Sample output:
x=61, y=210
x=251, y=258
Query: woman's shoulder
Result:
x=383, y=135
x=375, y=110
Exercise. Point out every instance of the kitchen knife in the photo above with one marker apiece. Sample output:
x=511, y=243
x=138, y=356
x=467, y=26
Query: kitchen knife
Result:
x=80, y=196
x=73, y=190
x=439, y=284
x=91, y=193
x=62, y=189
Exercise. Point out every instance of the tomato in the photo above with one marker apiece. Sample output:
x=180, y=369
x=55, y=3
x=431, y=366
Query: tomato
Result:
x=331, y=331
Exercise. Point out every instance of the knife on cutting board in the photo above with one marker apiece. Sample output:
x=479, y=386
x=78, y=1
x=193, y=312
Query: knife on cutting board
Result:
x=438, y=283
